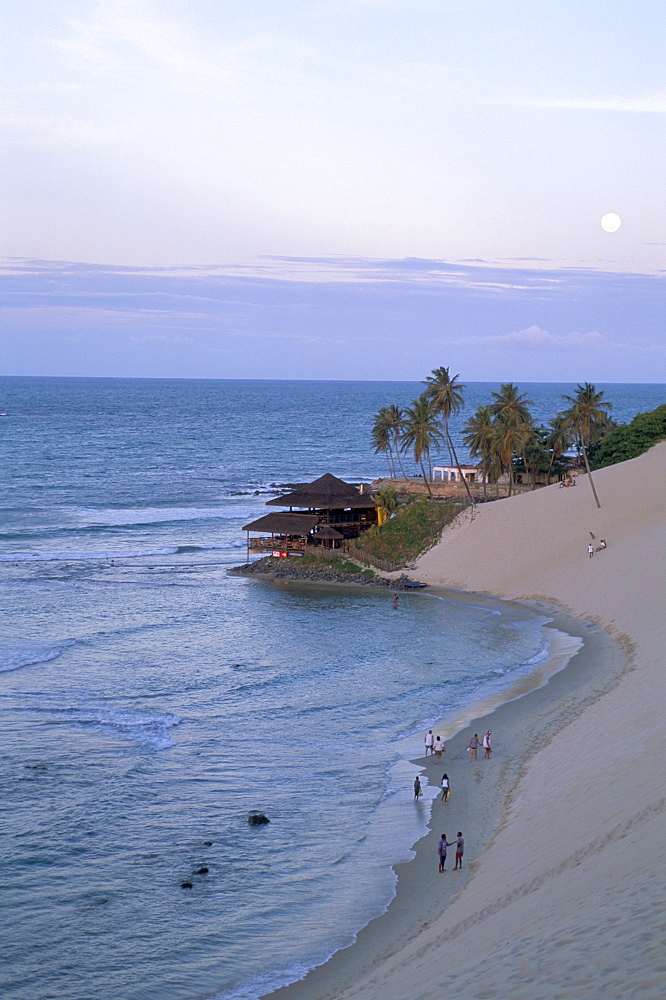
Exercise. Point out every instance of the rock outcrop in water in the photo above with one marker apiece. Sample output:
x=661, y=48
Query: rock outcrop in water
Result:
x=294, y=569
x=257, y=819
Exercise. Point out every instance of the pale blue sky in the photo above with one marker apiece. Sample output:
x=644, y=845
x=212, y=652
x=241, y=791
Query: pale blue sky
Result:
x=310, y=153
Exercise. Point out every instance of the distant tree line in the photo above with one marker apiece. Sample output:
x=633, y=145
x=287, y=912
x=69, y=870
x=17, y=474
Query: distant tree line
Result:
x=503, y=435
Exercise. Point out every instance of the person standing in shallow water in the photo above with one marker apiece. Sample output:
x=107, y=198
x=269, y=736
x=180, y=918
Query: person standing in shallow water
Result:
x=418, y=791
x=429, y=742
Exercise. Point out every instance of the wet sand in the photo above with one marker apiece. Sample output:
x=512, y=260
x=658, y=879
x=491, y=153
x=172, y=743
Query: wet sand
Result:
x=561, y=897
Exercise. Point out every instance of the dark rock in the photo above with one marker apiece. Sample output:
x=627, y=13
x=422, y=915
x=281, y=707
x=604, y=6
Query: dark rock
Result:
x=294, y=569
x=208, y=843
x=201, y=871
x=186, y=885
x=257, y=819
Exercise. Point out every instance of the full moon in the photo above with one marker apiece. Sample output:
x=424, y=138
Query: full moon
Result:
x=611, y=222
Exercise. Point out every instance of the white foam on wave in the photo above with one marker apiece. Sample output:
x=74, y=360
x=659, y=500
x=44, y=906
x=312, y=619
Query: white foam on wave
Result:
x=17, y=653
x=167, y=550
x=140, y=727
x=112, y=517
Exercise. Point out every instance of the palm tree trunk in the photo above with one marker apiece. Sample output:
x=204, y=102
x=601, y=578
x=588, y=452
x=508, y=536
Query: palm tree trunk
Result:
x=447, y=438
x=460, y=472
x=589, y=473
x=397, y=451
x=392, y=461
x=425, y=477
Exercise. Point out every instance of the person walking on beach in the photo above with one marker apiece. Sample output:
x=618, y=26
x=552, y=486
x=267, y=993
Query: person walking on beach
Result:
x=590, y=549
x=418, y=791
x=439, y=746
x=446, y=788
x=429, y=742
x=473, y=746
x=442, y=844
x=460, y=850
x=486, y=746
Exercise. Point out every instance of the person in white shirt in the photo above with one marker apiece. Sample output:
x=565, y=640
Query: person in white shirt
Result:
x=429, y=742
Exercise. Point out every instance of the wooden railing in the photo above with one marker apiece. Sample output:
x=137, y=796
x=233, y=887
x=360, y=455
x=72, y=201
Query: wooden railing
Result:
x=357, y=552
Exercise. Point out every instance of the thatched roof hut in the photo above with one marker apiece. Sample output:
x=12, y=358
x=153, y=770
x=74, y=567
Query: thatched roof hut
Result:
x=283, y=523
x=326, y=493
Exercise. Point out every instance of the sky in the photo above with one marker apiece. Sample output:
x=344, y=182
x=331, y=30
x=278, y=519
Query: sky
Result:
x=333, y=188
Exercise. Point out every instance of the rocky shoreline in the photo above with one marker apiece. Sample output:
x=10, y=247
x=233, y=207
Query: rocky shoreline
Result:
x=293, y=569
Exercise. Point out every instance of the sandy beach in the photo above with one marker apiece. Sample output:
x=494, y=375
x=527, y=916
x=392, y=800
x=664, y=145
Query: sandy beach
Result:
x=562, y=895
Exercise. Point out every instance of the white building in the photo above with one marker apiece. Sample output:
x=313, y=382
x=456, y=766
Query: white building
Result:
x=450, y=473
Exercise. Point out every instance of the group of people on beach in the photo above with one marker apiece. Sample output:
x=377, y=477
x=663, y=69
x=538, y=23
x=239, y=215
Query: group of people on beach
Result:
x=473, y=747
x=442, y=846
x=435, y=745
x=600, y=547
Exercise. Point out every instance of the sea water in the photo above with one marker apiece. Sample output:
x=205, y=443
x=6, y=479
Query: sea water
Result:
x=149, y=700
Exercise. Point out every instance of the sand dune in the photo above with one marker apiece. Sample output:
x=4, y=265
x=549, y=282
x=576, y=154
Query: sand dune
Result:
x=568, y=899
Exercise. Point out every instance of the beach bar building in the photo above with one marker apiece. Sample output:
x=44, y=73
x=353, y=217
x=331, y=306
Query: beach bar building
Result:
x=320, y=515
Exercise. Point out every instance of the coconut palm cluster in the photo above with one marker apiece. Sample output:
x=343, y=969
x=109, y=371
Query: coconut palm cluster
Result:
x=501, y=435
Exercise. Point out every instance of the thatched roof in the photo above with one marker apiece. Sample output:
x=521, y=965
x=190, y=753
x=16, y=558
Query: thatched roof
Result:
x=326, y=493
x=326, y=531
x=282, y=523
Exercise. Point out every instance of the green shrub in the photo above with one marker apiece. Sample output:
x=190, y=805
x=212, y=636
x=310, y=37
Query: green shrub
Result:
x=629, y=440
x=413, y=530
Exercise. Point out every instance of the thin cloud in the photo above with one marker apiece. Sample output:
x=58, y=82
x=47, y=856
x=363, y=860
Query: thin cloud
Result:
x=651, y=104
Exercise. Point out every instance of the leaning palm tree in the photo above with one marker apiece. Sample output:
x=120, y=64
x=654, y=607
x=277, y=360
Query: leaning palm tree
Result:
x=478, y=438
x=421, y=433
x=382, y=438
x=395, y=421
x=586, y=418
x=446, y=395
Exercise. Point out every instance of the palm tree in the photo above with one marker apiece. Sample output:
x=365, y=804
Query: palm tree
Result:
x=421, y=432
x=509, y=439
x=587, y=417
x=395, y=420
x=535, y=453
x=446, y=395
x=389, y=499
x=382, y=438
x=478, y=438
x=510, y=400
x=558, y=440
x=510, y=404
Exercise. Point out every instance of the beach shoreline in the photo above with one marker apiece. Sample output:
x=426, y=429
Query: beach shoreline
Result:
x=580, y=830
x=481, y=790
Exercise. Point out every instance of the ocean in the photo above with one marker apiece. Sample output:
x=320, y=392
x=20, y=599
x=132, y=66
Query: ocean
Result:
x=149, y=700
